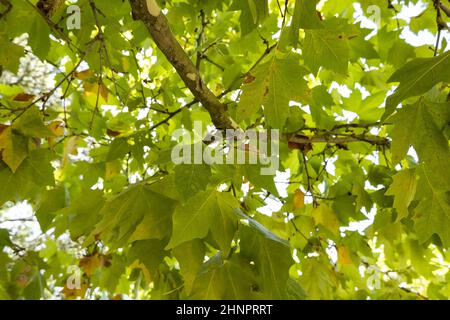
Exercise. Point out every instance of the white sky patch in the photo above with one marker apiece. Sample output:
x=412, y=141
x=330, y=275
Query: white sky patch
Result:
x=114, y=110
x=374, y=157
x=348, y=116
x=330, y=167
x=342, y=88
x=142, y=113
x=306, y=109
x=272, y=205
x=364, y=92
x=413, y=153
x=19, y=217
x=374, y=130
x=281, y=179
x=332, y=252
x=360, y=226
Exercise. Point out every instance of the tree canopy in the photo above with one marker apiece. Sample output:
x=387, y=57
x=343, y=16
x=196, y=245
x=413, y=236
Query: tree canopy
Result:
x=92, y=205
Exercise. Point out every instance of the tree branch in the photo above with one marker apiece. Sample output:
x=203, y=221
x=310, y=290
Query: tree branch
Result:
x=156, y=22
x=8, y=8
x=339, y=139
x=444, y=8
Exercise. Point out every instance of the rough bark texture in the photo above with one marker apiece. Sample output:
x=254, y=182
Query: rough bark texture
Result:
x=162, y=35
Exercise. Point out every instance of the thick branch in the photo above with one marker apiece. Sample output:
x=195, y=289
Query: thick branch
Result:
x=335, y=139
x=156, y=22
x=444, y=8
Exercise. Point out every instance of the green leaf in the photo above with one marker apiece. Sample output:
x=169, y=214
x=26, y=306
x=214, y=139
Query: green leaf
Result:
x=295, y=291
x=118, y=149
x=258, y=227
x=49, y=204
x=274, y=84
x=306, y=15
x=35, y=173
x=224, y=222
x=111, y=275
x=208, y=210
x=272, y=259
x=10, y=54
x=400, y=53
x=325, y=216
x=149, y=252
x=30, y=124
x=209, y=284
x=433, y=217
x=253, y=173
x=231, y=279
x=81, y=216
x=414, y=125
x=191, y=179
x=5, y=239
x=403, y=188
x=318, y=279
x=328, y=47
x=253, y=12
x=39, y=39
x=14, y=148
x=190, y=255
x=36, y=169
x=122, y=214
x=417, y=77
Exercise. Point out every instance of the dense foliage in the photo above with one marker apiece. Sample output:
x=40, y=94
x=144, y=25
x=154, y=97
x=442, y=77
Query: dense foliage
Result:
x=360, y=207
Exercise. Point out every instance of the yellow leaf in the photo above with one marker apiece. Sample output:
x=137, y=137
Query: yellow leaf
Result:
x=13, y=147
x=84, y=75
x=57, y=127
x=343, y=255
x=299, y=199
x=125, y=64
x=70, y=148
x=90, y=263
x=3, y=127
x=75, y=293
x=93, y=89
x=325, y=216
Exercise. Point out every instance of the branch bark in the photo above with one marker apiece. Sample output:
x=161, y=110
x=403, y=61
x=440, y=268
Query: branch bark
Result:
x=8, y=8
x=374, y=140
x=156, y=22
x=444, y=8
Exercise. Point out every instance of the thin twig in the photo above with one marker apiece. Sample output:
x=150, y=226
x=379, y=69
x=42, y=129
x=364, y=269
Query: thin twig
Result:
x=51, y=92
x=173, y=114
